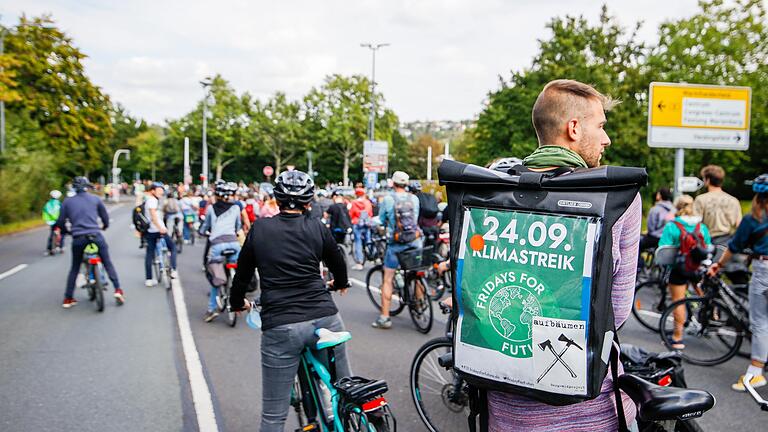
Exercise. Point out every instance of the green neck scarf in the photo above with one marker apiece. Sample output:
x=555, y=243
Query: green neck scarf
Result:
x=554, y=156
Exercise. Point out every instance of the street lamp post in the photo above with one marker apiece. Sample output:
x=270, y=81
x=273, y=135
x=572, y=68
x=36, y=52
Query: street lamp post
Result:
x=371, y=121
x=205, y=83
x=2, y=103
x=116, y=172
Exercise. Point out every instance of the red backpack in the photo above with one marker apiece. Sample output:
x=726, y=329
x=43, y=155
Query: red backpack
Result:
x=249, y=210
x=693, y=248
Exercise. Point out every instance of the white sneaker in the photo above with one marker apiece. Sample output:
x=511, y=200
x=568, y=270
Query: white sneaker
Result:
x=174, y=274
x=357, y=267
x=150, y=282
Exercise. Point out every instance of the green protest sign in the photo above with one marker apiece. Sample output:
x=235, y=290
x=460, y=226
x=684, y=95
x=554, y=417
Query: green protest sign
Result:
x=525, y=283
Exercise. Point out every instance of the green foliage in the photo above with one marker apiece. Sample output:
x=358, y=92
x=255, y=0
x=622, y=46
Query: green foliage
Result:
x=148, y=149
x=276, y=126
x=722, y=44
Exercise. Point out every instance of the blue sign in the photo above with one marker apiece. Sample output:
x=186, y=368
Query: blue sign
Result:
x=371, y=179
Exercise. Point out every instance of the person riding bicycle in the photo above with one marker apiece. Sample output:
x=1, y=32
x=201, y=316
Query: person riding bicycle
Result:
x=429, y=222
x=83, y=212
x=399, y=212
x=172, y=217
x=157, y=230
x=188, y=206
x=569, y=119
x=680, y=276
x=752, y=234
x=294, y=299
x=222, y=220
x=51, y=211
x=662, y=212
x=338, y=218
x=360, y=214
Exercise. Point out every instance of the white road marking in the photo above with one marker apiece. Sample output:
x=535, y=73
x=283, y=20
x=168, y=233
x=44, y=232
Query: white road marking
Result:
x=114, y=207
x=13, y=271
x=201, y=394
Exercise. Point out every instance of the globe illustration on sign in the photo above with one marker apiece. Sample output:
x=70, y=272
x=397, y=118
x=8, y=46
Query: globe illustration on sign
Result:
x=511, y=310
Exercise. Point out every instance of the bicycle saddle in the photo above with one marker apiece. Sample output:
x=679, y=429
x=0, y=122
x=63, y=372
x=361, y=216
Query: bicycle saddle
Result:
x=329, y=338
x=657, y=403
x=228, y=252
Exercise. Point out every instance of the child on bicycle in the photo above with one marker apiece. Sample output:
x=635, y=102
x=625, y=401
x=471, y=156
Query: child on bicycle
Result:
x=680, y=276
x=752, y=233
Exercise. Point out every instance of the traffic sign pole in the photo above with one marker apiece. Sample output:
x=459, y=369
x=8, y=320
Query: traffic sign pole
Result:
x=679, y=168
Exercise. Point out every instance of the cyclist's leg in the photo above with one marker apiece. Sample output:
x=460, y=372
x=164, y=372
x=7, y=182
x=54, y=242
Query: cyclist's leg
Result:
x=151, y=239
x=78, y=247
x=185, y=229
x=171, y=247
x=51, y=236
x=280, y=353
x=758, y=313
x=358, y=247
x=105, y=259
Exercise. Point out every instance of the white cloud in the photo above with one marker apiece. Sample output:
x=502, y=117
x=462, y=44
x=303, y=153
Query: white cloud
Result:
x=445, y=54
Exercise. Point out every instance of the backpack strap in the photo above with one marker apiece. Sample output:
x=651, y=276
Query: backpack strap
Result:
x=615, y=376
x=478, y=408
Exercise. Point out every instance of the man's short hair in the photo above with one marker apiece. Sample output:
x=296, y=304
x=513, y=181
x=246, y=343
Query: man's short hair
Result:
x=560, y=101
x=714, y=173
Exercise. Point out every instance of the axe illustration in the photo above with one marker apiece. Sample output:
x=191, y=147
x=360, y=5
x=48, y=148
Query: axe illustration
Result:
x=558, y=358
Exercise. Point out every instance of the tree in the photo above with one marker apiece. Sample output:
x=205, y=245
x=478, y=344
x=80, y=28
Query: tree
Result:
x=277, y=128
x=47, y=75
x=417, y=155
x=337, y=116
x=147, y=148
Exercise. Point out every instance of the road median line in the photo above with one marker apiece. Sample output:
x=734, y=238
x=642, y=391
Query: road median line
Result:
x=201, y=393
x=13, y=271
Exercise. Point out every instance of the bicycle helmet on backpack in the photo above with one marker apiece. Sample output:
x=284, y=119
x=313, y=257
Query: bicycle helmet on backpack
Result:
x=504, y=164
x=294, y=189
x=760, y=184
x=55, y=194
x=80, y=183
x=415, y=186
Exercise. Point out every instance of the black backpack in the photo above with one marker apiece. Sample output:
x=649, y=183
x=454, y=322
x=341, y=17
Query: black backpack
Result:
x=140, y=221
x=427, y=206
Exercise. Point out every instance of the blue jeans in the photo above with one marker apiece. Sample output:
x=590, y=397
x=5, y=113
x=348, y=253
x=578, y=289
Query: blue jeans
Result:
x=215, y=251
x=362, y=236
x=185, y=230
x=758, y=310
x=281, y=349
x=78, y=247
x=390, y=257
x=152, y=246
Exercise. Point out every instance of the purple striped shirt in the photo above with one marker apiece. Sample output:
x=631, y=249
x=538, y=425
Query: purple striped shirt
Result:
x=508, y=412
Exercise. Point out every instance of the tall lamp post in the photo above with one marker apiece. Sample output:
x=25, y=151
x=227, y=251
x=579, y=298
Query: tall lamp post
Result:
x=373, y=47
x=116, y=173
x=205, y=83
x=2, y=103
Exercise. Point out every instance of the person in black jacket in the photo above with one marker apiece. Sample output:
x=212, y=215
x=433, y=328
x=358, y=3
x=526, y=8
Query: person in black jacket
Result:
x=287, y=249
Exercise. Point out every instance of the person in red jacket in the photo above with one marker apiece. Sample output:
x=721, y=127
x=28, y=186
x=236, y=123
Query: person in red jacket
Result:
x=360, y=213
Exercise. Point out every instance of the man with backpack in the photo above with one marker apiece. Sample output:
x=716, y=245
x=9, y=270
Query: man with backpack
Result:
x=360, y=213
x=569, y=118
x=399, y=212
x=338, y=216
x=428, y=213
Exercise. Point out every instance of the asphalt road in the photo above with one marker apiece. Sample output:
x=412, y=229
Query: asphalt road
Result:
x=127, y=369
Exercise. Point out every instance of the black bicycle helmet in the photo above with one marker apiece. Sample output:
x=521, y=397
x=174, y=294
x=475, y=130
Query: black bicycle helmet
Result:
x=760, y=184
x=415, y=186
x=294, y=189
x=223, y=189
x=80, y=183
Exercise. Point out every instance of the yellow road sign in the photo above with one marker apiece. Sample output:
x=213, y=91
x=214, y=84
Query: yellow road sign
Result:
x=698, y=116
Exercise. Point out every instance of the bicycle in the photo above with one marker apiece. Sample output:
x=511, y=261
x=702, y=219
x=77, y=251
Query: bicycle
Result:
x=441, y=397
x=324, y=403
x=409, y=279
x=376, y=246
x=162, y=263
x=93, y=272
x=176, y=234
x=716, y=323
x=222, y=298
x=53, y=246
x=438, y=283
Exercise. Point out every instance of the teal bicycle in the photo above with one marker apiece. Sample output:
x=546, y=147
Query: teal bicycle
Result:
x=324, y=403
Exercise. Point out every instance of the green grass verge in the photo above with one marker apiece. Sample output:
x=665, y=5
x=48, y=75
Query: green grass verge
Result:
x=14, y=227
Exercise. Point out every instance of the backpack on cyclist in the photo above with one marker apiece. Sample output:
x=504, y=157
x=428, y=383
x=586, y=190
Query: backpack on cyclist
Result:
x=427, y=205
x=249, y=210
x=533, y=278
x=406, y=224
x=140, y=220
x=693, y=248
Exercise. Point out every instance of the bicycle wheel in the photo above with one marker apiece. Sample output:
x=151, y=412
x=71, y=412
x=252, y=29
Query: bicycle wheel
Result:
x=440, y=397
x=167, y=271
x=651, y=298
x=98, y=287
x=373, y=281
x=178, y=240
x=711, y=334
x=89, y=287
x=231, y=315
x=436, y=285
x=420, y=308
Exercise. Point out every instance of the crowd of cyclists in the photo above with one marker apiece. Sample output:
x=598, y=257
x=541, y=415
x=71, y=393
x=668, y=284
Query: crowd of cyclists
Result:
x=305, y=226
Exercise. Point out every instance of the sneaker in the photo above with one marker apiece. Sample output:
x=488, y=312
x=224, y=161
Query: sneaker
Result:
x=382, y=323
x=756, y=381
x=68, y=303
x=174, y=274
x=210, y=316
x=357, y=267
x=150, y=282
x=119, y=297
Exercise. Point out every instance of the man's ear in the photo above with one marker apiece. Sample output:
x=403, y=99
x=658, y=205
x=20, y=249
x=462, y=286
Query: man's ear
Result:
x=573, y=129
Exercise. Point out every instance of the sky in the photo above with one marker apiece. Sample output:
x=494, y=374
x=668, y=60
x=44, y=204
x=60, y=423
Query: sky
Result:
x=444, y=57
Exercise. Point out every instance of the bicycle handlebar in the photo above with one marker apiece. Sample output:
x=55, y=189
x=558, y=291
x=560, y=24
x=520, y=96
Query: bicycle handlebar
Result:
x=760, y=401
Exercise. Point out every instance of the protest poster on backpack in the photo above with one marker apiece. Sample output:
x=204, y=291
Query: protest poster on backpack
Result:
x=524, y=285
